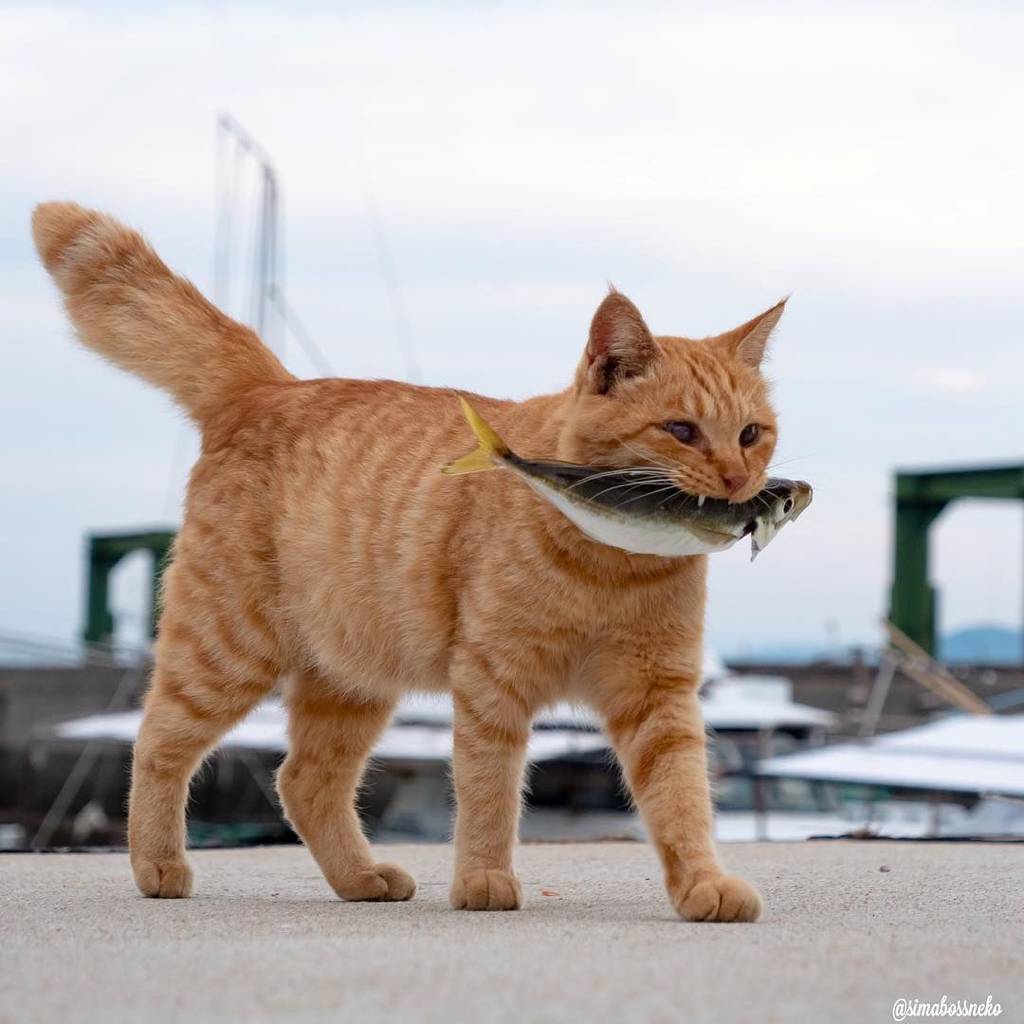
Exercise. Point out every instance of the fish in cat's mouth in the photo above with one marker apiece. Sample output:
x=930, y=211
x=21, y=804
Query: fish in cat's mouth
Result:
x=638, y=509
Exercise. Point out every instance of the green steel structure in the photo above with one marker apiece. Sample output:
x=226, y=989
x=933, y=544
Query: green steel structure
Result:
x=104, y=552
x=920, y=497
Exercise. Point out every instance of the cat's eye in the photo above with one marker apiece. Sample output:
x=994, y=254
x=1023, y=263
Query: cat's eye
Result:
x=685, y=433
x=749, y=434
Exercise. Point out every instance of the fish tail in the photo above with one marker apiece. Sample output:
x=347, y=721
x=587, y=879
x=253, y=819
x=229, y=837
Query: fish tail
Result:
x=486, y=455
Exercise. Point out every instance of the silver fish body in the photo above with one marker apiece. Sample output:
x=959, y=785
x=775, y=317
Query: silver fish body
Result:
x=637, y=512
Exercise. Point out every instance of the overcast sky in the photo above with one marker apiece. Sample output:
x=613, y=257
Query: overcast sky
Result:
x=708, y=159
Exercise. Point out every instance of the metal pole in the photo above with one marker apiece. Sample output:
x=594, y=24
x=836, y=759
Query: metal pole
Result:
x=879, y=693
x=264, y=267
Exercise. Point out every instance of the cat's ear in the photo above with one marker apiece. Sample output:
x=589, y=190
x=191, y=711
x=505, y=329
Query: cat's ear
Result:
x=620, y=346
x=746, y=343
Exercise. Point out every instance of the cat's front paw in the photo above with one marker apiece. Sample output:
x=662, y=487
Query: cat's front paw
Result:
x=722, y=898
x=486, y=889
x=383, y=883
x=166, y=878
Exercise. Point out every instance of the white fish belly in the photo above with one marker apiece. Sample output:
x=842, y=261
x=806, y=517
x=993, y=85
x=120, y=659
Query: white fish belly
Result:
x=637, y=536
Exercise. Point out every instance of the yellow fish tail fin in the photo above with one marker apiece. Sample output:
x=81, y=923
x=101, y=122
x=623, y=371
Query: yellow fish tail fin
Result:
x=486, y=455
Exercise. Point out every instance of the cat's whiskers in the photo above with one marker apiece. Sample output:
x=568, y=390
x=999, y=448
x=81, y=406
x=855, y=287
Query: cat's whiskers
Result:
x=640, y=471
x=614, y=484
x=633, y=484
x=786, y=462
x=646, y=456
x=648, y=494
x=668, y=497
x=689, y=483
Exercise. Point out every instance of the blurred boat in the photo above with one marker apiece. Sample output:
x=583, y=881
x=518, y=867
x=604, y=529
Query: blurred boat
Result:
x=964, y=774
x=421, y=732
x=962, y=754
x=421, y=729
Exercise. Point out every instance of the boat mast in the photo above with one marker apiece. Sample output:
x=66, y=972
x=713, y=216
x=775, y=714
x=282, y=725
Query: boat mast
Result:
x=235, y=148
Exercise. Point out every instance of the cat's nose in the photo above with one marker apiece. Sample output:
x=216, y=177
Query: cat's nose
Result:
x=735, y=481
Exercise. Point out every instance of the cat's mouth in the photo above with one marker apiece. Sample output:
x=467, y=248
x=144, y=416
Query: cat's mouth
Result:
x=703, y=485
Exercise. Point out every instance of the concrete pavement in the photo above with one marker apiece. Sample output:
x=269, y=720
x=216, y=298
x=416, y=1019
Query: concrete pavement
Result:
x=849, y=928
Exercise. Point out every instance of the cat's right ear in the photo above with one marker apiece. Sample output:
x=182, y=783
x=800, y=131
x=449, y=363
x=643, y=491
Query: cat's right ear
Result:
x=620, y=346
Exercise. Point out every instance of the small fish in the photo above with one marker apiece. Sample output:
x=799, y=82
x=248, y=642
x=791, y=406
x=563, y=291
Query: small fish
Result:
x=637, y=509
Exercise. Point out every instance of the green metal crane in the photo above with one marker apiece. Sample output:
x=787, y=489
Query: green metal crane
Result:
x=920, y=498
x=105, y=550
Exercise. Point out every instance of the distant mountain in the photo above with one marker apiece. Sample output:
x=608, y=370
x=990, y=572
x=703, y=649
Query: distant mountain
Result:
x=984, y=644
x=990, y=645
x=795, y=653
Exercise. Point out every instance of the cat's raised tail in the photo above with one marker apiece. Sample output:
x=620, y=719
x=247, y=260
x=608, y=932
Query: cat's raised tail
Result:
x=126, y=305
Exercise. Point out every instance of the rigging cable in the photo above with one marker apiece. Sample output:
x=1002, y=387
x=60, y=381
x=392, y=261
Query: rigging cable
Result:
x=389, y=273
x=298, y=329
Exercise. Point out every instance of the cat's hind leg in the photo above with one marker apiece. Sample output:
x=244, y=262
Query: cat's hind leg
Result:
x=330, y=738
x=201, y=687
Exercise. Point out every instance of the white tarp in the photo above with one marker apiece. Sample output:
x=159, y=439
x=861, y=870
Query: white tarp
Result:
x=266, y=729
x=735, y=702
x=965, y=754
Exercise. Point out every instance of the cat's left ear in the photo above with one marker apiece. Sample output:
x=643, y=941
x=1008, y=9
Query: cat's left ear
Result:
x=746, y=343
x=620, y=346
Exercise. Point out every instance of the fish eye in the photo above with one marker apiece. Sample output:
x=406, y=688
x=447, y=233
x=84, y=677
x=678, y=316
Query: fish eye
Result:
x=749, y=434
x=788, y=506
x=685, y=433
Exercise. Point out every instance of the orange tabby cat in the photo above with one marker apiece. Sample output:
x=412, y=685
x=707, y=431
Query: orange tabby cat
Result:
x=321, y=545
